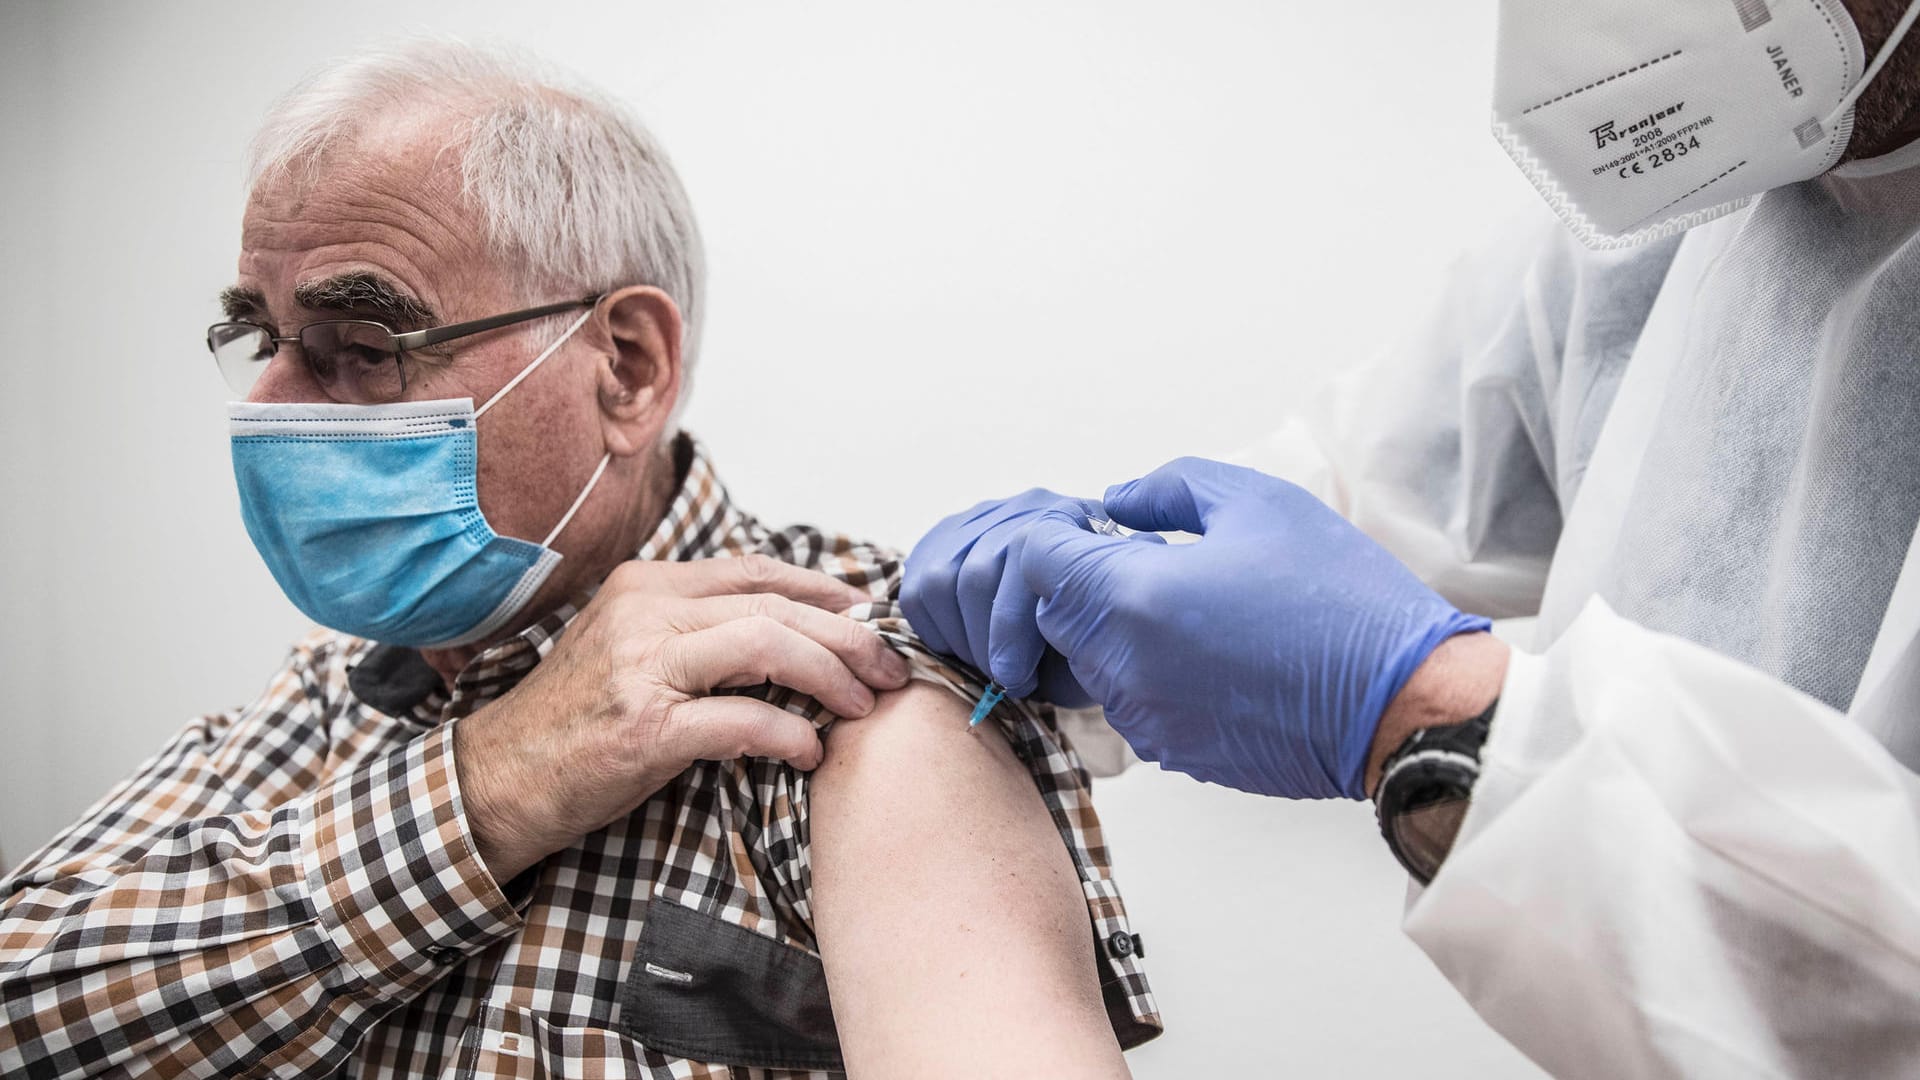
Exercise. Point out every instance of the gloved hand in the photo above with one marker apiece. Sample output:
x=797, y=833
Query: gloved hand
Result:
x=948, y=594
x=1260, y=657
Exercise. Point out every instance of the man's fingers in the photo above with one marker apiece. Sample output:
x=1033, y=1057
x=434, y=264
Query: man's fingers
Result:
x=757, y=649
x=747, y=574
x=870, y=658
x=1180, y=495
x=721, y=728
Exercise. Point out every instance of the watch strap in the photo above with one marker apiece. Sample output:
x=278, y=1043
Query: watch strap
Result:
x=1466, y=737
x=1442, y=756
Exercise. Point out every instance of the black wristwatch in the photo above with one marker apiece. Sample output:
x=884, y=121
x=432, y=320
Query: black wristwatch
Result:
x=1424, y=790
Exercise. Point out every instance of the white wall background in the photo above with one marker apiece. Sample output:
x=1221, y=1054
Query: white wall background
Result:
x=1038, y=244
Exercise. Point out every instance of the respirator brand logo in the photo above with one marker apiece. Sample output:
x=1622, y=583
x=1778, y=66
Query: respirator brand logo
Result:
x=1611, y=131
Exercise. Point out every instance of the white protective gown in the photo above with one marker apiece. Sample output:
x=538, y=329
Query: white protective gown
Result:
x=1695, y=848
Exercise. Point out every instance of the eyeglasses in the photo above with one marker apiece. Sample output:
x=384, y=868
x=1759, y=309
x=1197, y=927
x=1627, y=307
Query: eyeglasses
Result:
x=356, y=361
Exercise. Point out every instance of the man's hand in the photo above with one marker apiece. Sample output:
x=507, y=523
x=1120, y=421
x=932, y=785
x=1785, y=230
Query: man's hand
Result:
x=620, y=707
x=1261, y=657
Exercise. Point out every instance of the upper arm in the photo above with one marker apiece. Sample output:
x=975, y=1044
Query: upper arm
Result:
x=949, y=914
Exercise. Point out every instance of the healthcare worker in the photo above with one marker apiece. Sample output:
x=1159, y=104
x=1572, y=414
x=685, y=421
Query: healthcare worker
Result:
x=1680, y=834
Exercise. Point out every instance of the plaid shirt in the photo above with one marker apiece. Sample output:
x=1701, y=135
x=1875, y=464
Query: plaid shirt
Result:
x=291, y=888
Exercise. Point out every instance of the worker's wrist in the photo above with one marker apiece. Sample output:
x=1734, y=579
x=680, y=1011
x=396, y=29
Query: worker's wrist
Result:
x=1456, y=683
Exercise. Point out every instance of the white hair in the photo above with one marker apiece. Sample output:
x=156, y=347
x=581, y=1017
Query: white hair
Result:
x=576, y=196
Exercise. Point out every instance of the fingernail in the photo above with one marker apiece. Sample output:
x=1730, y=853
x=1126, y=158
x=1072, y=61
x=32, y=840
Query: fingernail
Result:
x=863, y=699
x=898, y=669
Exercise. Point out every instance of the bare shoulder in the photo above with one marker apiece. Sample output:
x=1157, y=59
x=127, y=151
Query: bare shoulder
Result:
x=911, y=780
x=941, y=889
x=918, y=725
x=922, y=706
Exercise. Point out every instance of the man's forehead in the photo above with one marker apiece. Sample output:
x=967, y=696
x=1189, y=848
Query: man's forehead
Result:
x=387, y=199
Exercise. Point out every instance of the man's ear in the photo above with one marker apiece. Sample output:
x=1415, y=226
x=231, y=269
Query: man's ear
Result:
x=641, y=380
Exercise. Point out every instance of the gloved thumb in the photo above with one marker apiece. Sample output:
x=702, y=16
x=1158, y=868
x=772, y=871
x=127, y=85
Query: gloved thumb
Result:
x=1180, y=495
x=1058, y=551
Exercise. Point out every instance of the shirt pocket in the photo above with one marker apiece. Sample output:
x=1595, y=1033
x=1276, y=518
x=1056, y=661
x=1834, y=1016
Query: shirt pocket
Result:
x=711, y=990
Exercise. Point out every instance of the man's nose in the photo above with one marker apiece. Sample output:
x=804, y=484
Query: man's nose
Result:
x=285, y=380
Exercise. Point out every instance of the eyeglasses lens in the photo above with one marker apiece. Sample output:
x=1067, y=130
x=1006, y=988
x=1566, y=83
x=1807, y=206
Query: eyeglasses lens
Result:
x=355, y=362
x=241, y=351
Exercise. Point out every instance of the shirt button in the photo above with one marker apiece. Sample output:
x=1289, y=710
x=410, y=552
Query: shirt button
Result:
x=1120, y=944
x=441, y=955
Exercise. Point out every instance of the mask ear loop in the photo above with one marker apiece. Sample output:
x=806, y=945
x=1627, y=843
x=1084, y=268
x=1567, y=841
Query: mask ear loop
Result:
x=1879, y=61
x=537, y=361
x=581, y=498
x=600, y=469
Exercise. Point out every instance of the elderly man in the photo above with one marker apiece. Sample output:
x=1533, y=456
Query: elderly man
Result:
x=544, y=808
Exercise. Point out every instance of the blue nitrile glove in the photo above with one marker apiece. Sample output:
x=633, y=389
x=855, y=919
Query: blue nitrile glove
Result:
x=1260, y=657
x=948, y=593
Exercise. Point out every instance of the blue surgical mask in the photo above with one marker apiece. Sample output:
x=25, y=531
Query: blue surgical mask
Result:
x=369, y=516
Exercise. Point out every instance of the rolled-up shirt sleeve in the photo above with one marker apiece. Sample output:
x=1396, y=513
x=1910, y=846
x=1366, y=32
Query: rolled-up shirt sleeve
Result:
x=1675, y=865
x=254, y=898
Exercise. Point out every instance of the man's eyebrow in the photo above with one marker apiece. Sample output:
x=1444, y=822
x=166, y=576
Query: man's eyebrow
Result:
x=243, y=304
x=363, y=293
